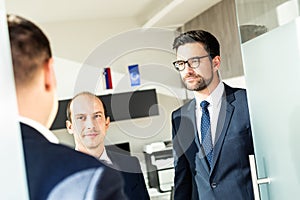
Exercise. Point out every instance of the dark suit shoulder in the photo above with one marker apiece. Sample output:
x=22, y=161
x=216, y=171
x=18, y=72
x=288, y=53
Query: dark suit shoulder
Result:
x=125, y=162
x=55, y=151
x=47, y=164
x=184, y=108
x=234, y=90
x=236, y=96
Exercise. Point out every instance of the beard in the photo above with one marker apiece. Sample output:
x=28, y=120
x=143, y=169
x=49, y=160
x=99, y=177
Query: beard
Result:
x=198, y=84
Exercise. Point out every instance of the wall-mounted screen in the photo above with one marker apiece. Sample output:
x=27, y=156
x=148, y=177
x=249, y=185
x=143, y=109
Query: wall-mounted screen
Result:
x=120, y=106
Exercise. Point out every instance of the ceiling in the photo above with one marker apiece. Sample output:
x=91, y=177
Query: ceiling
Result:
x=171, y=13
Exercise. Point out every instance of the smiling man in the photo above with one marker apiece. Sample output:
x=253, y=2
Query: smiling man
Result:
x=88, y=122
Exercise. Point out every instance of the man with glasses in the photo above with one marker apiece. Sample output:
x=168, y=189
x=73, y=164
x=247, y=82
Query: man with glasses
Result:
x=211, y=133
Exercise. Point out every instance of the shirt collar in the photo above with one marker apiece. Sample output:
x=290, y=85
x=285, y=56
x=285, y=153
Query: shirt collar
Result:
x=40, y=128
x=214, y=98
x=105, y=157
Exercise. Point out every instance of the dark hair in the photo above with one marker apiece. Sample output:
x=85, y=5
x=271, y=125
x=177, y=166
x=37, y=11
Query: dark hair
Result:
x=30, y=48
x=83, y=94
x=210, y=43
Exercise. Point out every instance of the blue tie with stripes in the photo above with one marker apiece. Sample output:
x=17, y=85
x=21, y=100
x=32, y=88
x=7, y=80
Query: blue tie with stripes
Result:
x=206, y=132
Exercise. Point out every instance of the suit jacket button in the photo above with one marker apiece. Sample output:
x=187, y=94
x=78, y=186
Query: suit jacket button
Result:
x=213, y=185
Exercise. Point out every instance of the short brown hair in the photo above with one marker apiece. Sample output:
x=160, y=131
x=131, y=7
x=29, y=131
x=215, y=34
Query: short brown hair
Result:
x=30, y=48
x=210, y=42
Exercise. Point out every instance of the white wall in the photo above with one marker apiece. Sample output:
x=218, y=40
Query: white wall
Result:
x=74, y=40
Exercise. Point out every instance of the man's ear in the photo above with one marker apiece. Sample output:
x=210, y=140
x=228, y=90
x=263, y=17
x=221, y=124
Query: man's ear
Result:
x=107, y=122
x=50, y=81
x=69, y=127
x=216, y=61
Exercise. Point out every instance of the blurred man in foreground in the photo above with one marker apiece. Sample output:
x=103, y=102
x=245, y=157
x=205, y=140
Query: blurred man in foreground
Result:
x=51, y=169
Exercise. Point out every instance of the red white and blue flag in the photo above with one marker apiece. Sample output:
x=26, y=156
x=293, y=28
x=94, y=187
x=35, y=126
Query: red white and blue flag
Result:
x=108, y=81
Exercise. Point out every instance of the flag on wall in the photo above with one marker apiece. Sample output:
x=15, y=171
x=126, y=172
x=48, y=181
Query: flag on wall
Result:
x=108, y=80
x=134, y=75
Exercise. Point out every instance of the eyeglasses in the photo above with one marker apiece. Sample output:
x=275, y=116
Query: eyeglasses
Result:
x=193, y=62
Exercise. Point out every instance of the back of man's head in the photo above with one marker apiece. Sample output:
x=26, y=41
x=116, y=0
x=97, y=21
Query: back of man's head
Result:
x=33, y=70
x=29, y=46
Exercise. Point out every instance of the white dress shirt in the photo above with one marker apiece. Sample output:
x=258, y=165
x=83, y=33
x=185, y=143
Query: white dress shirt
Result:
x=214, y=99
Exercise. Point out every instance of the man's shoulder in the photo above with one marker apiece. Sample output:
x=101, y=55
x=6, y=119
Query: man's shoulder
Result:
x=234, y=90
x=237, y=97
x=36, y=145
x=189, y=104
x=48, y=164
x=125, y=162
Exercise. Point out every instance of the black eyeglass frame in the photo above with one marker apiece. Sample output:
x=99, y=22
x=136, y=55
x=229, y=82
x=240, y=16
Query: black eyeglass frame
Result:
x=187, y=62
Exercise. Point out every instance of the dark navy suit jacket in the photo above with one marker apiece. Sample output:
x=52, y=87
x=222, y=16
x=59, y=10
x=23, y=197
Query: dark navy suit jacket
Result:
x=134, y=182
x=229, y=177
x=50, y=168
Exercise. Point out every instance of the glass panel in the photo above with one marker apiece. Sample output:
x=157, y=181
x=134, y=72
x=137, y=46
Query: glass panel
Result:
x=12, y=171
x=256, y=17
x=272, y=74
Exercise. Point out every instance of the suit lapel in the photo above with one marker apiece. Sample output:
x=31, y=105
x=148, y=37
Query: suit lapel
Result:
x=224, y=119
